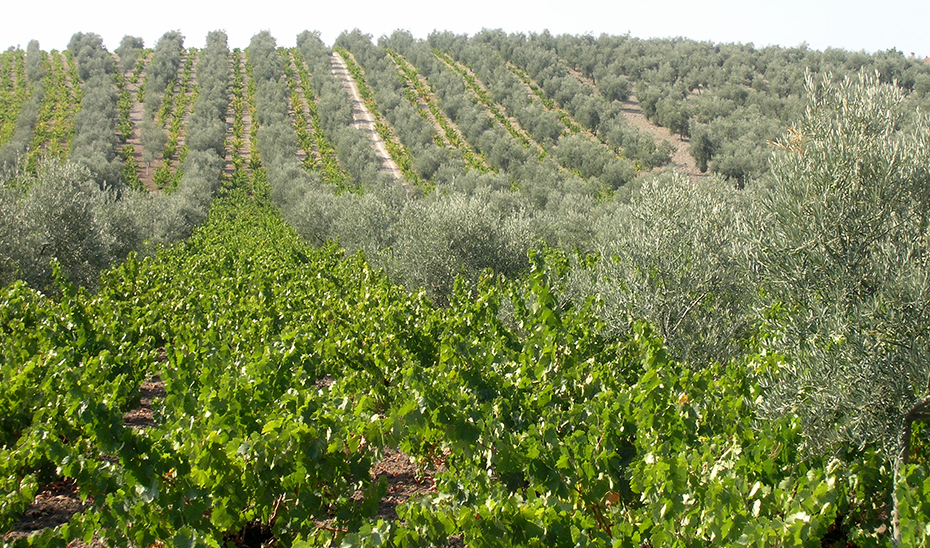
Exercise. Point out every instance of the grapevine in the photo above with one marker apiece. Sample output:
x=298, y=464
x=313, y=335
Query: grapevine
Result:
x=482, y=96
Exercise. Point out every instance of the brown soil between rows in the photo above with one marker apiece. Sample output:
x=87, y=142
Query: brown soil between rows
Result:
x=136, y=113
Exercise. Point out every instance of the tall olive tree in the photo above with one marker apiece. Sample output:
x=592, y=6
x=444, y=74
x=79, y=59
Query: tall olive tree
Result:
x=844, y=256
x=128, y=52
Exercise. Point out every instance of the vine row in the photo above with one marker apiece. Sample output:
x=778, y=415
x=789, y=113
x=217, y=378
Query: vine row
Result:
x=395, y=148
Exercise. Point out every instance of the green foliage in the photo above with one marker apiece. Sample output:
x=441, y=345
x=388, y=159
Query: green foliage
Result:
x=845, y=252
x=698, y=365
x=675, y=256
x=473, y=159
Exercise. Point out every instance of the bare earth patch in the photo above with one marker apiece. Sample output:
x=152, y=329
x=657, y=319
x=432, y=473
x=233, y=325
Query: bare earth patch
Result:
x=141, y=417
x=55, y=505
x=58, y=501
x=632, y=113
x=404, y=481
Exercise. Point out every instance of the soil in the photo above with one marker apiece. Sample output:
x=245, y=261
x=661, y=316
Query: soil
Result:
x=55, y=504
x=141, y=417
x=405, y=480
x=58, y=501
x=681, y=157
x=364, y=120
x=146, y=173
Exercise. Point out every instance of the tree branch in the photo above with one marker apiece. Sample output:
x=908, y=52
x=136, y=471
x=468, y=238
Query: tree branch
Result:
x=918, y=411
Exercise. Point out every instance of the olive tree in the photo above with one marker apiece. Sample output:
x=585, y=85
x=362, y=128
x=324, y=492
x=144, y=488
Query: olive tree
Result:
x=674, y=255
x=844, y=259
x=128, y=52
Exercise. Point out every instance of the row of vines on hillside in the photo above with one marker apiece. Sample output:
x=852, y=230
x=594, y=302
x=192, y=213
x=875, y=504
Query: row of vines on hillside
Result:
x=482, y=95
x=329, y=160
x=14, y=90
x=396, y=149
x=419, y=93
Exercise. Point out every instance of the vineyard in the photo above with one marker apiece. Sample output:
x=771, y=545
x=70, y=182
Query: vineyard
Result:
x=454, y=292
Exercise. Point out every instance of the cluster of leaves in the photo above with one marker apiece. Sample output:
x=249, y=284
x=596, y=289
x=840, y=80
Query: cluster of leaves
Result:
x=80, y=215
x=237, y=141
x=731, y=98
x=352, y=147
x=255, y=158
x=266, y=443
x=125, y=128
x=287, y=369
x=311, y=158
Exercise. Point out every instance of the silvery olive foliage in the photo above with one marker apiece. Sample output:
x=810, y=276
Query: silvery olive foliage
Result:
x=675, y=256
x=844, y=258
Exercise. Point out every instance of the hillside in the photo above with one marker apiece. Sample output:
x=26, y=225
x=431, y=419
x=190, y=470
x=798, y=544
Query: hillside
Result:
x=506, y=289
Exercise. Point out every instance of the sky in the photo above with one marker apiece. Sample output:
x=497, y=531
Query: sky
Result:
x=848, y=24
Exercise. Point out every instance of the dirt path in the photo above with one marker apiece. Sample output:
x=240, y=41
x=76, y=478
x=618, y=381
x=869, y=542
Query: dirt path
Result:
x=135, y=116
x=633, y=114
x=364, y=121
x=681, y=156
x=228, y=168
x=246, y=150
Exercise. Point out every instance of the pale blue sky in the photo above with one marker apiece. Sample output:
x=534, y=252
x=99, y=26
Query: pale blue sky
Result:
x=854, y=25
